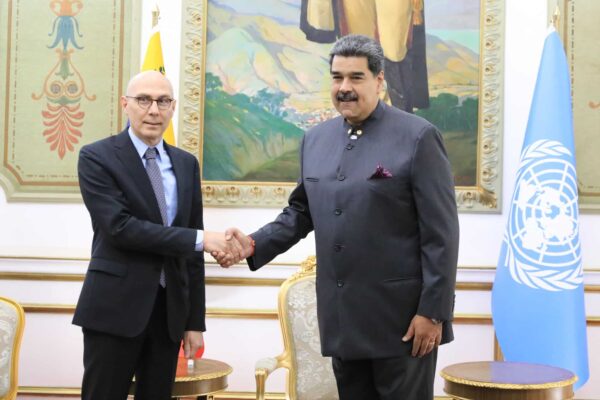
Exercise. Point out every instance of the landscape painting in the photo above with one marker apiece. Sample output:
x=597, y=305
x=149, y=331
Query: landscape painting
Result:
x=265, y=84
x=453, y=41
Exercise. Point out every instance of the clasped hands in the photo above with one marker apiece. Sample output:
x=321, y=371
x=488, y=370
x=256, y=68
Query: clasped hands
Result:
x=228, y=247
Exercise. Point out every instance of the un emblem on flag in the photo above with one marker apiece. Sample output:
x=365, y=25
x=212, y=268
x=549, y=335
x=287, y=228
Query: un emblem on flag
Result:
x=542, y=239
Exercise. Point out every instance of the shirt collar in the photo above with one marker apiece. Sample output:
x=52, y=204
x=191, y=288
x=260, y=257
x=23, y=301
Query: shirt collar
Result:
x=141, y=147
x=377, y=113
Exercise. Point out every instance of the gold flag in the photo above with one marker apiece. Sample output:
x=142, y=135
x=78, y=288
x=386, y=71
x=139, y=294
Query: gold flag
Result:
x=153, y=61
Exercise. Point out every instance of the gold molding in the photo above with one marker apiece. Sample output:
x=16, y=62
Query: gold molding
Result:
x=49, y=391
x=65, y=277
x=41, y=258
x=41, y=276
x=242, y=313
x=48, y=308
x=484, y=196
x=295, y=264
x=474, y=286
x=76, y=392
x=225, y=281
x=472, y=319
x=237, y=313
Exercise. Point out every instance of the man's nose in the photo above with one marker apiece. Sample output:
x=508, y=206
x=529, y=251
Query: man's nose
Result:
x=153, y=109
x=346, y=85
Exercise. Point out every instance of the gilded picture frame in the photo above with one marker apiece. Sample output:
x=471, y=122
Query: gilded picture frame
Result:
x=482, y=195
x=64, y=64
x=578, y=27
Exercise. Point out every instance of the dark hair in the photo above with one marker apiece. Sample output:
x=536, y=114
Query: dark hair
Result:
x=359, y=46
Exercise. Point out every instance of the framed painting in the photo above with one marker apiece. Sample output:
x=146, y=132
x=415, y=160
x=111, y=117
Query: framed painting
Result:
x=64, y=64
x=253, y=80
x=579, y=29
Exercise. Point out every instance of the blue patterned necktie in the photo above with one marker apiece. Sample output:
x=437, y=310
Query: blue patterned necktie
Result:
x=157, y=185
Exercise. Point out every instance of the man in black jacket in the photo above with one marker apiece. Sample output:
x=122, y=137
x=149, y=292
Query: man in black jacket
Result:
x=144, y=289
x=377, y=189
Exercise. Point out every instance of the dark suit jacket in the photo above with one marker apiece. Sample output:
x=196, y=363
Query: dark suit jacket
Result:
x=386, y=247
x=131, y=245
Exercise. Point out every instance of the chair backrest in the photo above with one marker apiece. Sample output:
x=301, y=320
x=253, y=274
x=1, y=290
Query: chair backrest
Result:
x=12, y=321
x=310, y=374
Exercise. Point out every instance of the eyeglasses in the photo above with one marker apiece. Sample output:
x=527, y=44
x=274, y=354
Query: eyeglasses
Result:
x=145, y=102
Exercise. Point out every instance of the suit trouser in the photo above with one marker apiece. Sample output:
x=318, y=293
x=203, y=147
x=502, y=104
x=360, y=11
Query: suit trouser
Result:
x=401, y=378
x=110, y=361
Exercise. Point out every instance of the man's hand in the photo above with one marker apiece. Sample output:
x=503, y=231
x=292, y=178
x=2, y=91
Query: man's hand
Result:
x=222, y=246
x=425, y=334
x=192, y=341
x=246, y=248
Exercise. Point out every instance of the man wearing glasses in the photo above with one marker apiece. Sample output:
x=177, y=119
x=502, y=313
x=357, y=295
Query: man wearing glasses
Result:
x=144, y=289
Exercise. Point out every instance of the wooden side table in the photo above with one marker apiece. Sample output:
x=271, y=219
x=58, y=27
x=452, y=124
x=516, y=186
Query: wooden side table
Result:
x=490, y=380
x=207, y=378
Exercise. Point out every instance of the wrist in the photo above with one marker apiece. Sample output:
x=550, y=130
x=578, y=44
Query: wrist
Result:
x=436, y=321
x=252, y=246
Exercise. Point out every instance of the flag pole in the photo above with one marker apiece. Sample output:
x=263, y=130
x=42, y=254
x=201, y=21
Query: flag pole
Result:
x=153, y=61
x=155, y=15
x=556, y=18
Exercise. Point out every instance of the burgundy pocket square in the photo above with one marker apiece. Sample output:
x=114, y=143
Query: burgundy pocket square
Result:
x=381, y=173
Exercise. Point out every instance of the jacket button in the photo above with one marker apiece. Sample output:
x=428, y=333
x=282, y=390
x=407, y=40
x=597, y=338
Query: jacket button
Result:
x=349, y=146
x=340, y=283
x=337, y=248
x=341, y=177
x=338, y=211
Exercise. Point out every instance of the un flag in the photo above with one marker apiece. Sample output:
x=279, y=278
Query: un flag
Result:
x=538, y=299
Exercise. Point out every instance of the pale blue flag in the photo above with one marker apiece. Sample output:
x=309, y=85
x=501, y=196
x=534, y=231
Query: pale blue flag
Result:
x=537, y=300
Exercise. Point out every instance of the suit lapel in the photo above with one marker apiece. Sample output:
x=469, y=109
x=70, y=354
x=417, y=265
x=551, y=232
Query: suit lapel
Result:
x=180, y=178
x=130, y=158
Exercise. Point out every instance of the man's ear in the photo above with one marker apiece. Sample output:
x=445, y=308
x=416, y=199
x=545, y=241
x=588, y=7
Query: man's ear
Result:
x=380, y=81
x=123, y=101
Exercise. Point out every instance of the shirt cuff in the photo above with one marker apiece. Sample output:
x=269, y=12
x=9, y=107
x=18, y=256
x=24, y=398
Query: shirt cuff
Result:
x=199, y=241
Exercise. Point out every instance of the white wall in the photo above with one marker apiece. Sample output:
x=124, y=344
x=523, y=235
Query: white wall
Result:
x=63, y=231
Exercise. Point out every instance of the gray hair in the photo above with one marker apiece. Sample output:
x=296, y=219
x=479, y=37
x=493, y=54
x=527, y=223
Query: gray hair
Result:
x=359, y=46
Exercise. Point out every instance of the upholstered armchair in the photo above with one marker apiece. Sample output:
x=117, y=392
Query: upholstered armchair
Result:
x=12, y=320
x=309, y=374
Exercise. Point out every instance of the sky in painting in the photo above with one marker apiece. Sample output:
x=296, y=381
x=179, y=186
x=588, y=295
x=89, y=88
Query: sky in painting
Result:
x=456, y=20
x=286, y=12
x=440, y=14
x=452, y=14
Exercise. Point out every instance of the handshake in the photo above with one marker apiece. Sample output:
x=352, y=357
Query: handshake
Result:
x=228, y=248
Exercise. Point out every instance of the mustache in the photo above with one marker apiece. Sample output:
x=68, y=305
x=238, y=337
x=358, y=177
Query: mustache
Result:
x=346, y=96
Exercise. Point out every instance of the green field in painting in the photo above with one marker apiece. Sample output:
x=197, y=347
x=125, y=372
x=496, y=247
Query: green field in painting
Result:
x=462, y=152
x=456, y=118
x=243, y=141
x=288, y=165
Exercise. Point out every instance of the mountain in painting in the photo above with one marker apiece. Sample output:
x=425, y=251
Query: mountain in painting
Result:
x=262, y=53
x=247, y=142
x=249, y=57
